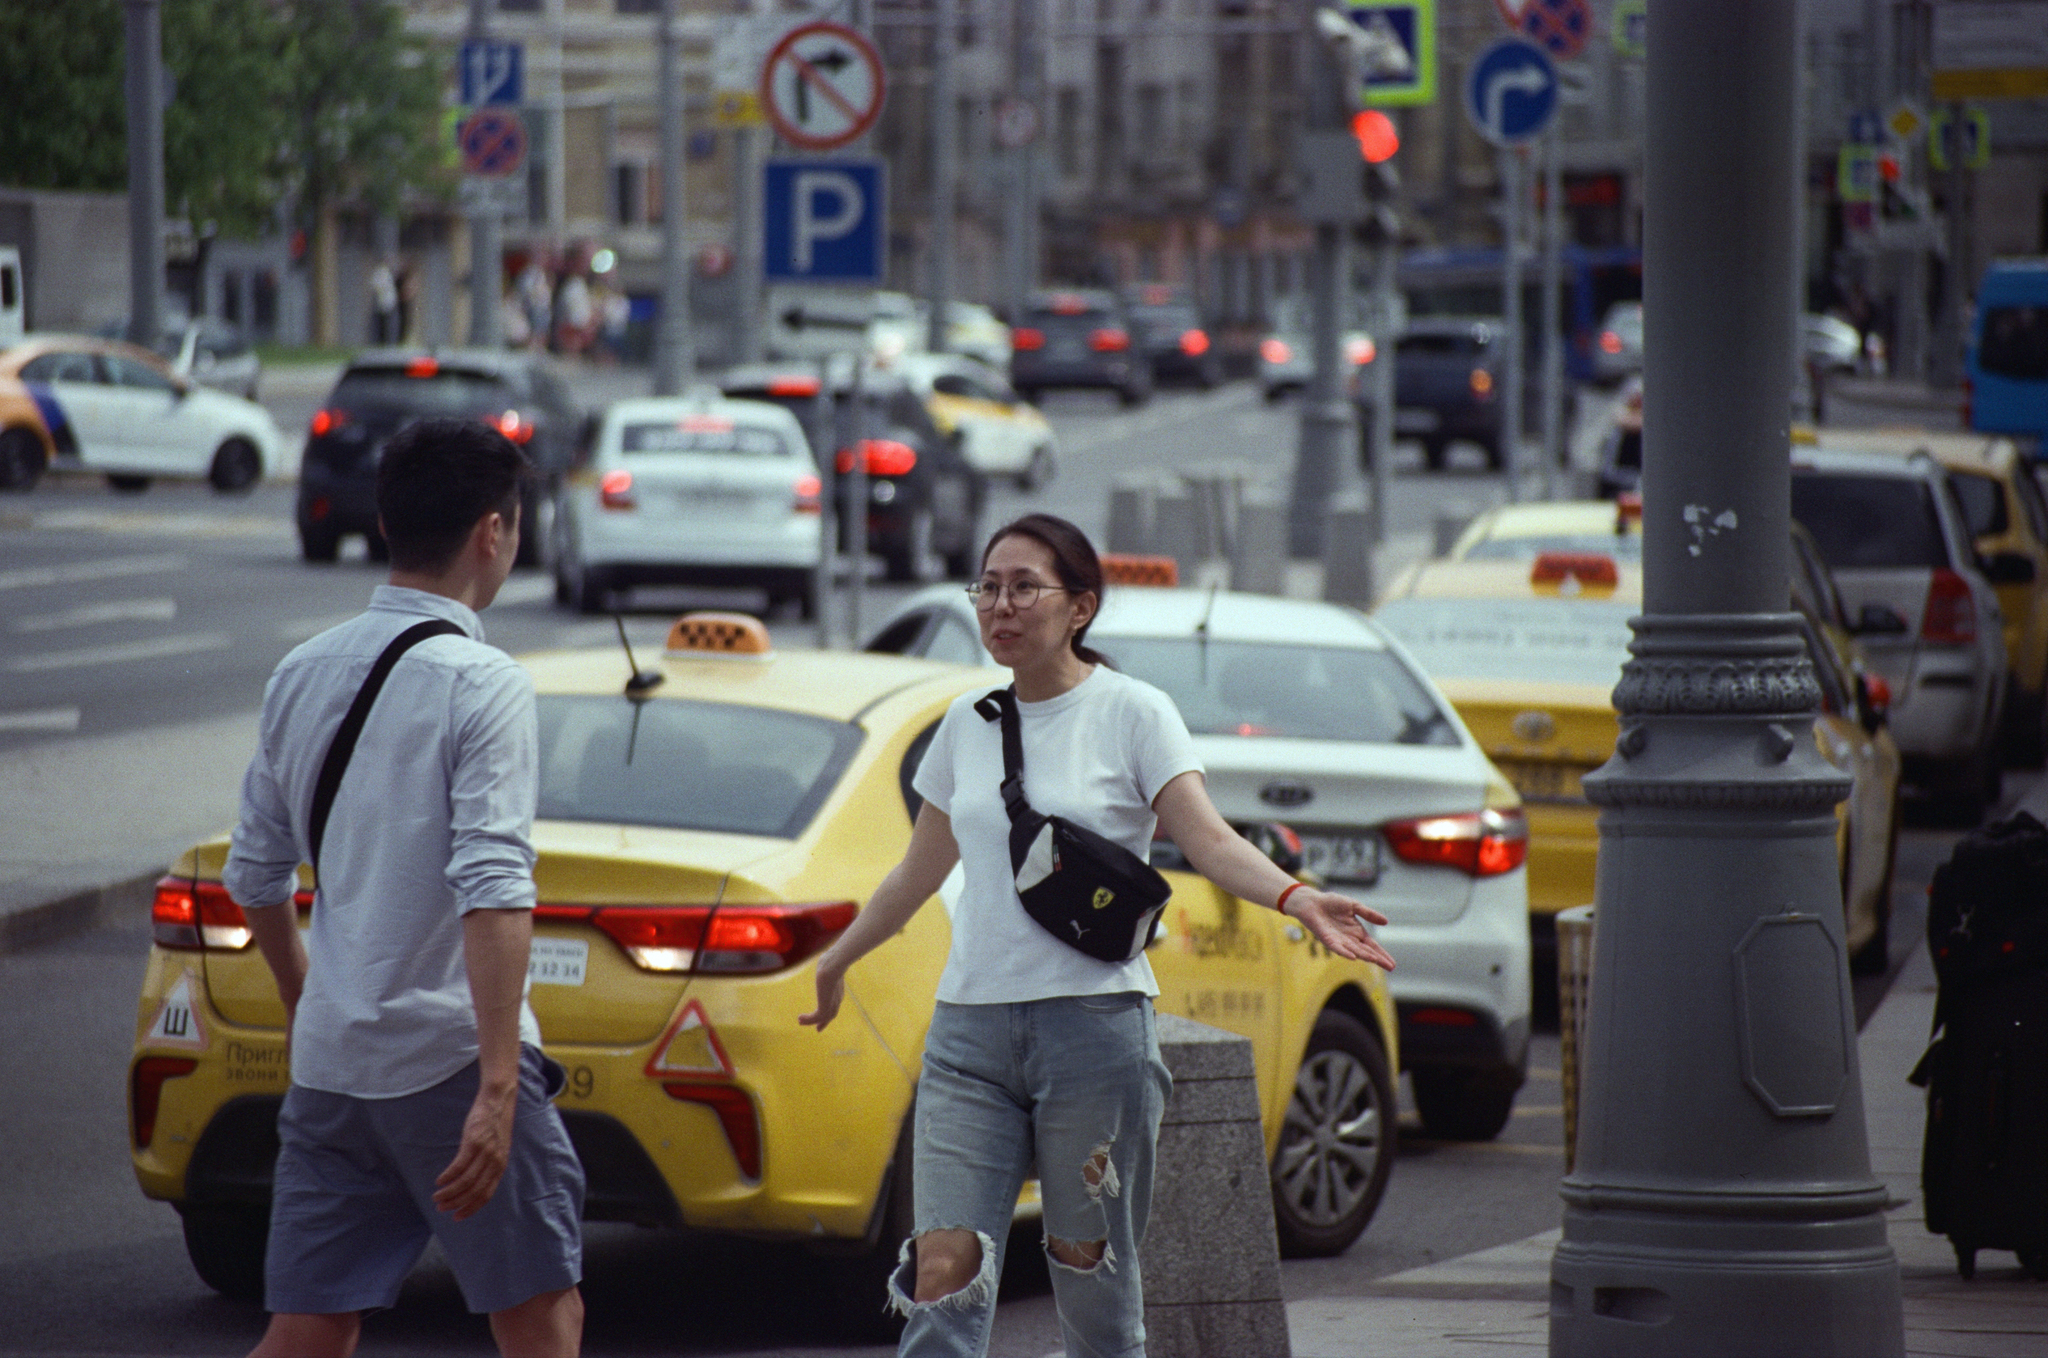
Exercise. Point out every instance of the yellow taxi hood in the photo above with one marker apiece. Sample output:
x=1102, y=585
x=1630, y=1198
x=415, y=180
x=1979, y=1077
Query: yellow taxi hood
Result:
x=836, y=685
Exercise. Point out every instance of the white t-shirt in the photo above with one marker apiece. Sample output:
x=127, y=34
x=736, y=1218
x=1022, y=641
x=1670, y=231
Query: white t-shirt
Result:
x=1097, y=755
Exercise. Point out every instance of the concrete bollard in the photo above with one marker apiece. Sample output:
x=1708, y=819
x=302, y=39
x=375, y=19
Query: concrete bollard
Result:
x=1211, y=1259
x=1258, y=557
x=1130, y=515
x=1173, y=529
x=1452, y=518
x=1347, y=552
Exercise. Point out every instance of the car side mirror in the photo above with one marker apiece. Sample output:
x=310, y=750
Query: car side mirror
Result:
x=1278, y=842
x=1880, y=620
x=2008, y=568
x=1875, y=699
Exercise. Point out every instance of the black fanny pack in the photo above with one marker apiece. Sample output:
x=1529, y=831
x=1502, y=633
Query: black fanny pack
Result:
x=1087, y=891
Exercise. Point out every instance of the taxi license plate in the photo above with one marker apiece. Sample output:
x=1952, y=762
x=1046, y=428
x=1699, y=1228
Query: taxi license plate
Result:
x=1342, y=858
x=558, y=961
x=1539, y=781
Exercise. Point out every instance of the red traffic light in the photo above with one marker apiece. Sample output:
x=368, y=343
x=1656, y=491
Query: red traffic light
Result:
x=1377, y=140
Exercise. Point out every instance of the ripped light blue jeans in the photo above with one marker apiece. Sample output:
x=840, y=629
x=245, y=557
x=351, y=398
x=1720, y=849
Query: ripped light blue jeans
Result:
x=1074, y=1087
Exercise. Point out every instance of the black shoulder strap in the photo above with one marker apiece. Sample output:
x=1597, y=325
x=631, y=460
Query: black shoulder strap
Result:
x=351, y=729
x=1001, y=705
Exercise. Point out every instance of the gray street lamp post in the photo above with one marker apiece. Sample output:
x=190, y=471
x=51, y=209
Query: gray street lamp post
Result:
x=1722, y=1200
x=145, y=92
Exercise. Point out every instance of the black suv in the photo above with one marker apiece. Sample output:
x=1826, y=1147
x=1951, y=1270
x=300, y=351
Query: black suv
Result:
x=924, y=498
x=1447, y=386
x=1077, y=338
x=1167, y=328
x=384, y=390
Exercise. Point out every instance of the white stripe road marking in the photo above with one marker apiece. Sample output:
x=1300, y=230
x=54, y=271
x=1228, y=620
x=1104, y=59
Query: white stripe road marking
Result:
x=531, y=590
x=296, y=630
x=163, y=524
x=116, y=610
x=157, y=648
x=48, y=719
x=39, y=577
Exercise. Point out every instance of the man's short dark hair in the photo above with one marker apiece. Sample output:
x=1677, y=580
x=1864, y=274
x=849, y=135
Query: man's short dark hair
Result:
x=438, y=477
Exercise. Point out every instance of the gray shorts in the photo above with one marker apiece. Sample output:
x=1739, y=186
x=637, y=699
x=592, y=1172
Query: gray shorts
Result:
x=352, y=1204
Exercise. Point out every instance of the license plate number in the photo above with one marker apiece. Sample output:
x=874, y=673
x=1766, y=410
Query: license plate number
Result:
x=1415, y=421
x=558, y=961
x=1342, y=858
x=1542, y=782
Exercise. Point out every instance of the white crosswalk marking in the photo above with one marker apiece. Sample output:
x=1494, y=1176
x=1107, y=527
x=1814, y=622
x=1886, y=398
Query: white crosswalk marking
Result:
x=161, y=523
x=114, y=610
x=41, y=577
x=157, y=648
x=296, y=630
x=48, y=719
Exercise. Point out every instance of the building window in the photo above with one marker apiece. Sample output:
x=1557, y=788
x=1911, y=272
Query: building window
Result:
x=1152, y=118
x=1069, y=125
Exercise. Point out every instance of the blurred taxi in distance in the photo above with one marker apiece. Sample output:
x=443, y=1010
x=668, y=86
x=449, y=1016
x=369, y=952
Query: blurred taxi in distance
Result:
x=2007, y=518
x=703, y=834
x=1000, y=433
x=1525, y=629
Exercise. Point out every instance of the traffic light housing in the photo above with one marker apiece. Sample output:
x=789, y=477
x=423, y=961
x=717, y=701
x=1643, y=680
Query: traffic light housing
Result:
x=1378, y=141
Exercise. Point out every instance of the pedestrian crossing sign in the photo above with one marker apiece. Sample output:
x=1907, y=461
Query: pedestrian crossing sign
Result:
x=1402, y=66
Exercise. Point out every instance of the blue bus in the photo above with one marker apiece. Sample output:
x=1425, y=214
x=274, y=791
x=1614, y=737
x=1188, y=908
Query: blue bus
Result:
x=2008, y=359
x=1466, y=282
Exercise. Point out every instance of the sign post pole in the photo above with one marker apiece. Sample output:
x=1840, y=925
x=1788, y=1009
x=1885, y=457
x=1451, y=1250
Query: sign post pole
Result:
x=945, y=154
x=1551, y=322
x=1513, y=190
x=674, y=359
x=486, y=245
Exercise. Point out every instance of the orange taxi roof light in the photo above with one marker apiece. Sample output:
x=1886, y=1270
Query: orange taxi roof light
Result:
x=700, y=634
x=1588, y=568
x=1119, y=568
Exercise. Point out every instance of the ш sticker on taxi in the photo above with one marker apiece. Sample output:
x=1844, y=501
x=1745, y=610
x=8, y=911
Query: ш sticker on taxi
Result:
x=702, y=836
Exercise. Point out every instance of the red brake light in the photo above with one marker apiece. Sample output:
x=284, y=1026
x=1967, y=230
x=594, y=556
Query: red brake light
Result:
x=514, y=428
x=327, y=421
x=1878, y=691
x=1194, y=343
x=423, y=367
x=190, y=915
x=735, y=1114
x=1027, y=339
x=1951, y=615
x=808, y=489
x=1360, y=350
x=1274, y=350
x=145, y=1091
x=793, y=386
x=615, y=490
x=879, y=457
x=1108, y=340
x=1482, y=383
x=727, y=939
x=1478, y=843
x=1588, y=568
x=1610, y=343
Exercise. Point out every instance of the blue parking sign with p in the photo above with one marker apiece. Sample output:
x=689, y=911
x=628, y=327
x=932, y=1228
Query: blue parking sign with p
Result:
x=825, y=221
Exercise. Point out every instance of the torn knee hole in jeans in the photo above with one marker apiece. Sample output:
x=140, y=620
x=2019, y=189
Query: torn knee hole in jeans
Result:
x=1098, y=1175
x=978, y=1291
x=1082, y=1256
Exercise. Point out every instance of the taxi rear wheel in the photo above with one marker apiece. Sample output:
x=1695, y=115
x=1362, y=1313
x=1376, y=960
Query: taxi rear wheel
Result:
x=1336, y=1142
x=21, y=460
x=225, y=1242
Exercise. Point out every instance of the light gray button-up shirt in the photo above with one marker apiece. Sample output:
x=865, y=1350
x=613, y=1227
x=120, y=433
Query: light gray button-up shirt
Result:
x=433, y=819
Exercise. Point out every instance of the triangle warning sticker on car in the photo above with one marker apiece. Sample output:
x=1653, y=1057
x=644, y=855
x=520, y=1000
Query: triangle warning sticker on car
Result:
x=177, y=1022
x=690, y=1047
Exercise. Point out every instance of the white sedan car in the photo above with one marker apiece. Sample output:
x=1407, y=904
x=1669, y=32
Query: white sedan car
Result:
x=1309, y=714
x=691, y=490
x=103, y=406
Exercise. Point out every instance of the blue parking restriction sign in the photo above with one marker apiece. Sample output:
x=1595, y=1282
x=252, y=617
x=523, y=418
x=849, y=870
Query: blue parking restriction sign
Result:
x=492, y=73
x=824, y=221
x=1511, y=94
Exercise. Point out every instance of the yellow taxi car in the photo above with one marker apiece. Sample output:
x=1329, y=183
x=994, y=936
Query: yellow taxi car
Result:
x=1525, y=628
x=1000, y=433
x=2007, y=514
x=702, y=835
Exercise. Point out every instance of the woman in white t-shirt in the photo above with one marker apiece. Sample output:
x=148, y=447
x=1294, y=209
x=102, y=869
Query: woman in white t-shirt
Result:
x=1038, y=1053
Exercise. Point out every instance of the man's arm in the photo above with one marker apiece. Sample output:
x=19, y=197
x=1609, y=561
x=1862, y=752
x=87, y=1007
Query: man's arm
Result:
x=495, y=945
x=276, y=928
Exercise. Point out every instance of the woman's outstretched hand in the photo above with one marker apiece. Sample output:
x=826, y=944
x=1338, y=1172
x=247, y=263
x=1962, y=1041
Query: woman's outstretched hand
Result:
x=831, y=992
x=1338, y=923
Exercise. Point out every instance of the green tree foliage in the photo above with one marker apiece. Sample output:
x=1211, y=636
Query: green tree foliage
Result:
x=329, y=98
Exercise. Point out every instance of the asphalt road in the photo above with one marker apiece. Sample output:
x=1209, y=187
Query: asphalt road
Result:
x=125, y=614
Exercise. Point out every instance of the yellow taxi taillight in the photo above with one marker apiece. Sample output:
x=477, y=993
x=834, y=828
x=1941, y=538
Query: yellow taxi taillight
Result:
x=192, y=916
x=145, y=1092
x=729, y=939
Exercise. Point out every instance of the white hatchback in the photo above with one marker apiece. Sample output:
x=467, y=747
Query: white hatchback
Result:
x=691, y=490
x=1308, y=714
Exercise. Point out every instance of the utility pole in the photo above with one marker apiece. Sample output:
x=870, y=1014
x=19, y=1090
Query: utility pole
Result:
x=1945, y=363
x=945, y=154
x=486, y=246
x=145, y=93
x=1550, y=321
x=1513, y=191
x=1722, y=1200
x=1021, y=220
x=674, y=361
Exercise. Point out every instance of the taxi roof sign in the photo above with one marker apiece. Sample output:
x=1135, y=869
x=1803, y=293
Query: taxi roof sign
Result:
x=724, y=634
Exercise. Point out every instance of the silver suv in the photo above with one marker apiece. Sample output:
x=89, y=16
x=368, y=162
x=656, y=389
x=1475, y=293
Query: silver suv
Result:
x=1901, y=553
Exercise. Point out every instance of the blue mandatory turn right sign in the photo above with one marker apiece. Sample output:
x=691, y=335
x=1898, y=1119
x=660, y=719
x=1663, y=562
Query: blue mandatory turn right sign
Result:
x=824, y=220
x=1511, y=93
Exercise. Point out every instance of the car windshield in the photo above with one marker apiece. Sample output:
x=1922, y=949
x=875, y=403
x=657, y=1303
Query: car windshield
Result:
x=700, y=436
x=1241, y=688
x=1620, y=546
x=2014, y=342
x=444, y=391
x=1562, y=641
x=1870, y=520
x=687, y=765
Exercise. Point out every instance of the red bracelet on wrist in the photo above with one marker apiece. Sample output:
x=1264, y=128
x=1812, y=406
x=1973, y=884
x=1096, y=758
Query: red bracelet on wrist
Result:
x=1281, y=904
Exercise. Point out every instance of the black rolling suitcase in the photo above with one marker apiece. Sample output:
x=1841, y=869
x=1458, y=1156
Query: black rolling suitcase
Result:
x=1984, y=1164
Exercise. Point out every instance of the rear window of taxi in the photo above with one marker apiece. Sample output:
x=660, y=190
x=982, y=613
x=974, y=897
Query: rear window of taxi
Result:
x=1562, y=641
x=701, y=436
x=686, y=765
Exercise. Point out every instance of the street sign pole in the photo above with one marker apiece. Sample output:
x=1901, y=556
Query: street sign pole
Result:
x=486, y=246
x=145, y=90
x=1721, y=1200
x=1945, y=361
x=1551, y=323
x=945, y=170
x=1513, y=191
x=674, y=361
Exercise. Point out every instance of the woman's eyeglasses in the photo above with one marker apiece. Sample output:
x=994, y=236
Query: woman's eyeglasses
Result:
x=986, y=594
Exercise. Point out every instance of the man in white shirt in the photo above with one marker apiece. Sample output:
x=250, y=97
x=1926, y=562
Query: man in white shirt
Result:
x=419, y=1105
